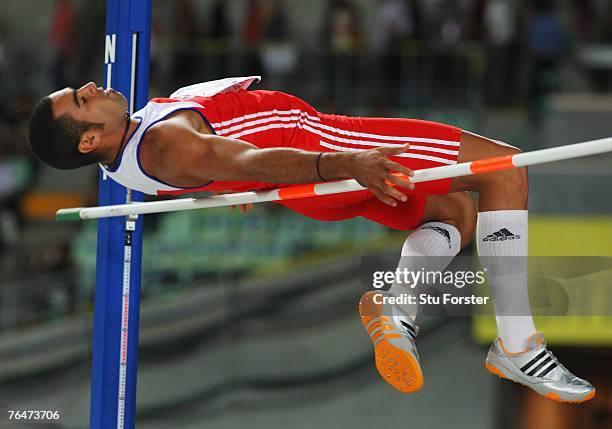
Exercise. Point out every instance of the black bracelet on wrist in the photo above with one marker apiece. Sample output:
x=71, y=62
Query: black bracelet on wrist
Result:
x=319, y=166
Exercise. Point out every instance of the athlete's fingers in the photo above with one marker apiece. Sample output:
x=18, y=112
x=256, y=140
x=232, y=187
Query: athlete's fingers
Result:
x=243, y=207
x=382, y=197
x=399, y=181
x=399, y=168
x=389, y=151
x=394, y=193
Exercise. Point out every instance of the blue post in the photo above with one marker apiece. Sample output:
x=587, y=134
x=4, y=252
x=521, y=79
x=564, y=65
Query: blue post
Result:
x=119, y=252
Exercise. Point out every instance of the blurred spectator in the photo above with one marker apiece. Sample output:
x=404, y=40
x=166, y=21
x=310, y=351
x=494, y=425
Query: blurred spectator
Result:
x=605, y=26
x=479, y=31
x=276, y=22
x=218, y=41
x=252, y=36
x=186, y=60
x=547, y=43
x=3, y=54
x=448, y=67
x=500, y=27
x=597, y=66
x=342, y=39
x=17, y=167
x=396, y=21
x=279, y=54
x=500, y=22
x=15, y=175
x=57, y=294
x=62, y=37
x=583, y=20
x=267, y=40
x=90, y=27
x=219, y=27
x=448, y=25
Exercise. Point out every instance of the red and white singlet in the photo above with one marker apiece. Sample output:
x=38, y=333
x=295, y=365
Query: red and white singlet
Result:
x=274, y=119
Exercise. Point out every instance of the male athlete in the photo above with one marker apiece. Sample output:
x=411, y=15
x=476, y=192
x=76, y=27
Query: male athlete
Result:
x=233, y=139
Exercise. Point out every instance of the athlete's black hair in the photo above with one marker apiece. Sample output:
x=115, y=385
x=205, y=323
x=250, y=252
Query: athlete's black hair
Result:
x=55, y=140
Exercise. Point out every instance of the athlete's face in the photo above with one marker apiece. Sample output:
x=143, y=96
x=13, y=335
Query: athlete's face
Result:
x=91, y=104
x=94, y=105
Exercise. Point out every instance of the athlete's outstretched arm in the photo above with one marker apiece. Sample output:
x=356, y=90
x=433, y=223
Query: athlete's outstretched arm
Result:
x=184, y=152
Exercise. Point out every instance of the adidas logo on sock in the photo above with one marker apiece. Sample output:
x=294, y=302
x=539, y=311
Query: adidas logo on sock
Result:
x=502, y=235
x=441, y=231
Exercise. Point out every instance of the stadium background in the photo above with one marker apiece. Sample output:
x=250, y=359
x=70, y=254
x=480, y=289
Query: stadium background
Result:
x=250, y=318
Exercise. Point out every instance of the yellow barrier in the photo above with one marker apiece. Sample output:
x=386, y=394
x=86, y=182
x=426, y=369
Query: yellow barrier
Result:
x=564, y=236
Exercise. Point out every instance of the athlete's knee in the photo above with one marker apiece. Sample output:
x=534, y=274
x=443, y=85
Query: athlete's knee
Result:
x=465, y=215
x=457, y=209
x=513, y=180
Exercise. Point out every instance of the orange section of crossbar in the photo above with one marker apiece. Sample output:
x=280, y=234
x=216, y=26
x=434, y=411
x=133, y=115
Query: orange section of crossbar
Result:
x=301, y=191
x=492, y=164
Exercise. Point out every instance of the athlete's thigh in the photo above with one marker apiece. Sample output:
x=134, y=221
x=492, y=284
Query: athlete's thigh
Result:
x=330, y=207
x=475, y=147
x=405, y=216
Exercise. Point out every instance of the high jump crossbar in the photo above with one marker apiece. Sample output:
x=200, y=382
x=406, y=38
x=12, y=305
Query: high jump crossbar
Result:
x=488, y=165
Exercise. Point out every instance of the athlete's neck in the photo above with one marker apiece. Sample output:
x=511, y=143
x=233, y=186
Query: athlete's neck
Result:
x=115, y=149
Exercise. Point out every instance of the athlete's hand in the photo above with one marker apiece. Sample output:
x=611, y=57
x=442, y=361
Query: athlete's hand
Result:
x=373, y=169
x=243, y=207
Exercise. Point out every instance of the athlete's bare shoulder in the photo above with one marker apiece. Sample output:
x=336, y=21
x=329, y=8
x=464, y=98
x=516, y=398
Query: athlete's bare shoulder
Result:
x=167, y=131
x=181, y=119
x=169, y=145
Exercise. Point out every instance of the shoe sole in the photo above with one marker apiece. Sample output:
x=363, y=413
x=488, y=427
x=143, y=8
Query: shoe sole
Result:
x=498, y=372
x=396, y=366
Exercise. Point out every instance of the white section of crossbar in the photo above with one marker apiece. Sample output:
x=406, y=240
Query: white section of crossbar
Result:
x=560, y=153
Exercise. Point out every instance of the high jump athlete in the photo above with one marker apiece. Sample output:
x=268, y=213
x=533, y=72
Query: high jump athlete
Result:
x=238, y=140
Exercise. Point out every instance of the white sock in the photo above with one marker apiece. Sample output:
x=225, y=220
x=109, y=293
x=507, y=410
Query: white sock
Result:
x=432, y=247
x=503, y=245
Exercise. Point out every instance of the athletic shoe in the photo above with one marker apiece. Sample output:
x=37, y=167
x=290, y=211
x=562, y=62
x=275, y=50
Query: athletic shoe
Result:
x=538, y=369
x=394, y=338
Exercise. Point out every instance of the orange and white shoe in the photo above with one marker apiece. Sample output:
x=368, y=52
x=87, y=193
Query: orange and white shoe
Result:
x=538, y=369
x=394, y=337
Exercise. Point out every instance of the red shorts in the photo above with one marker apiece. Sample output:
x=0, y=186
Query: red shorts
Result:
x=275, y=119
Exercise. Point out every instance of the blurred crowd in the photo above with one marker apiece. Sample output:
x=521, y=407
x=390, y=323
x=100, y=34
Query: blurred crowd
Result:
x=396, y=53
x=513, y=47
